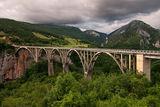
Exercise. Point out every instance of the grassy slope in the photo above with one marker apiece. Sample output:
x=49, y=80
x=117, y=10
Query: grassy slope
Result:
x=41, y=36
x=75, y=43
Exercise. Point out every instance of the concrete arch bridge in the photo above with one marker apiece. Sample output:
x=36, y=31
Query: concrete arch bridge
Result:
x=126, y=60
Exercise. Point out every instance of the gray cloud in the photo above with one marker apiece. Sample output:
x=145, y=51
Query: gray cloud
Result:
x=120, y=9
x=77, y=12
x=108, y=27
x=45, y=11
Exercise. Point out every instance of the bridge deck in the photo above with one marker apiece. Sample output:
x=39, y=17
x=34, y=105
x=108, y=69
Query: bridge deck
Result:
x=123, y=51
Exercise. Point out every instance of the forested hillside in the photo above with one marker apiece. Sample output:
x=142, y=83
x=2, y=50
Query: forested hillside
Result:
x=22, y=33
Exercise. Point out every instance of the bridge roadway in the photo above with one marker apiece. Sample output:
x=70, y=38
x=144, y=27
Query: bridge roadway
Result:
x=127, y=51
x=126, y=59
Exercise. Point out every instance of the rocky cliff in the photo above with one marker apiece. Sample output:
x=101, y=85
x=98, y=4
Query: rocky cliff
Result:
x=12, y=67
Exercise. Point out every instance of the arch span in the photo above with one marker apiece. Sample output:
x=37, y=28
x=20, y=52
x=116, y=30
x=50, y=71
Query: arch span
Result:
x=56, y=50
x=99, y=53
x=40, y=53
x=80, y=57
x=73, y=50
x=17, y=51
x=94, y=58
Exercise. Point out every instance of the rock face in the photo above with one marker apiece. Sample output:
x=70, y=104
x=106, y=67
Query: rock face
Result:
x=157, y=44
x=101, y=35
x=96, y=33
x=12, y=67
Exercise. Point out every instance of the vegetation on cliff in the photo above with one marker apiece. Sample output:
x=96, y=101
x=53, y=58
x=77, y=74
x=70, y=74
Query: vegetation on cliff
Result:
x=4, y=47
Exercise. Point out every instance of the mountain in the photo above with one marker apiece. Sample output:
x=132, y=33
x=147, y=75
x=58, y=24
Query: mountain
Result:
x=135, y=35
x=96, y=33
x=22, y=33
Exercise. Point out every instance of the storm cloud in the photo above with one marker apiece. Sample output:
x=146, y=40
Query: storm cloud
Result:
x=94, y=13
x=120, y=9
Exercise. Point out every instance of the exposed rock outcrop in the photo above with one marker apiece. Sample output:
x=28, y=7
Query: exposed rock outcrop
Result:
x=135, y=35
x=12, y=67
x=157, y=44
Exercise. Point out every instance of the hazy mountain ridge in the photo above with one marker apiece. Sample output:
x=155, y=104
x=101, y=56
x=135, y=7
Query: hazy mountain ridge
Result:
x=135, y=35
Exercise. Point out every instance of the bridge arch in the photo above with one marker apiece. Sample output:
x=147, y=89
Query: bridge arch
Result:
x=56, y=50
x=20, y=48
x=41, y=49
x=40, y=53
x=80, y=57
x=99, y=53
x=89, y=65
x=74, y=50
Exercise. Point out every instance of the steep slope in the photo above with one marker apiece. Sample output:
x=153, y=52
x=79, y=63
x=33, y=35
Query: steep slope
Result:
x=97, y=34
x=36, y=34
x=135, y=35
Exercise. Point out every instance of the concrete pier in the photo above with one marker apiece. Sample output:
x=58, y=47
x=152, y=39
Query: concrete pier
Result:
x=144, y=65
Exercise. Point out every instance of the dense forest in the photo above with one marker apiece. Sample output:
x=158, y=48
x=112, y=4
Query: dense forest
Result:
x=106, y=89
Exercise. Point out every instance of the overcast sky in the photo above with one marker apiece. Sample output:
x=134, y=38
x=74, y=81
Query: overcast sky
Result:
x=101, y=15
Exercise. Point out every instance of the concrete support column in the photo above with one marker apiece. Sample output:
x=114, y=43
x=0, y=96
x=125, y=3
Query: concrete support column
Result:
x=88, y=71
x=125, y=62
x=130, y=62
x=134, y=63
x=88, y=74
x=143, y=65
x=50, y=68
x=122, y=60
x=36, y=55
x=65, y=68
x=88, y=60
x=65, y=64
x=65, y=55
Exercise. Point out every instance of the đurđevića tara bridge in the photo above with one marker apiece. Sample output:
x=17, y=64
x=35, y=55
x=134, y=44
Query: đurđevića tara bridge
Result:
x=127, y=60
